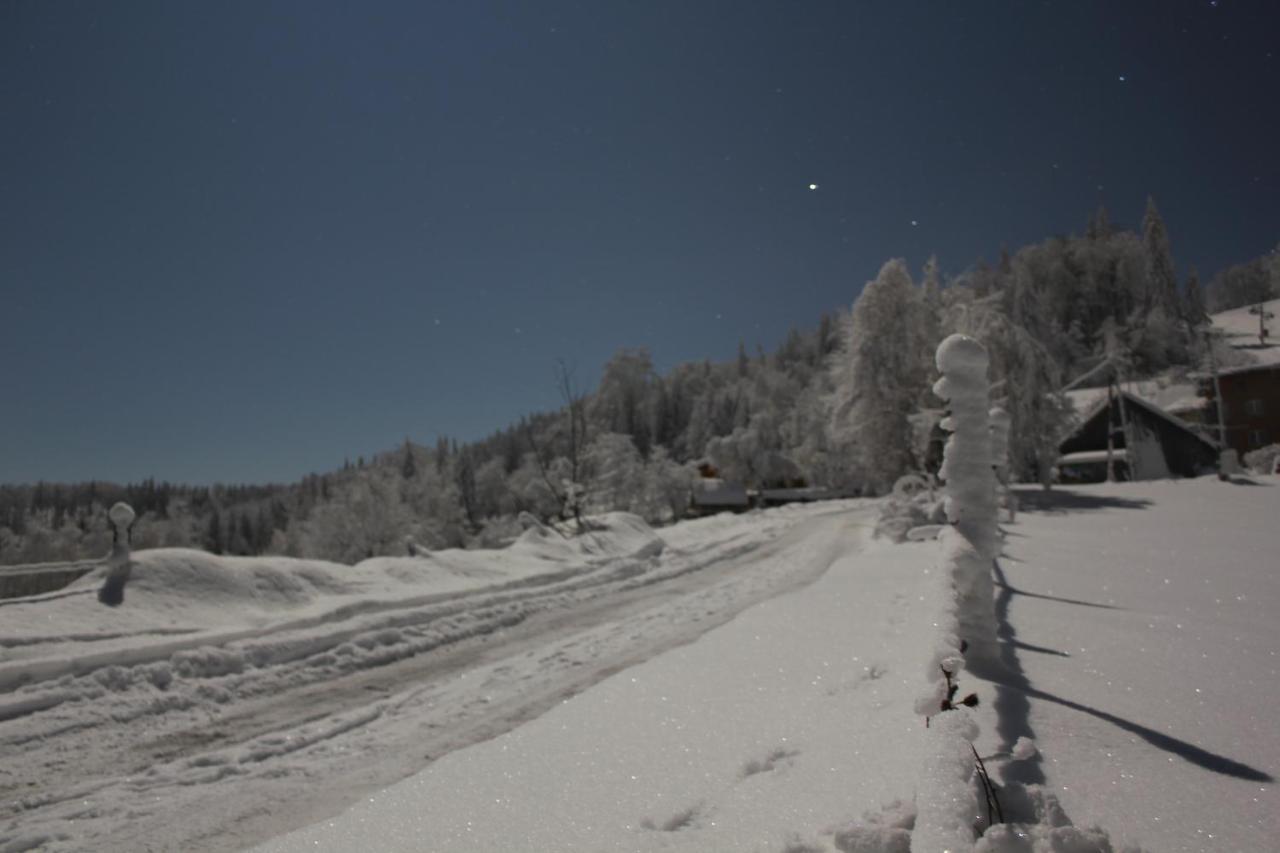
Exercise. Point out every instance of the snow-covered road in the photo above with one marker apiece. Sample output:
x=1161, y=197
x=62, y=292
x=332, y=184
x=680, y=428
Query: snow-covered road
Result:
x=164, y=735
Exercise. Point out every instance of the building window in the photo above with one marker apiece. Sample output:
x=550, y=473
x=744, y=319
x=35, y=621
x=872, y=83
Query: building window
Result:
x=1257, y=437
x=1254, y=407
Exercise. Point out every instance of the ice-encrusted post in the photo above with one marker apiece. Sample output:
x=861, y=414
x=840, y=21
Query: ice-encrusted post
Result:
x=121, y=516
x=971, y=544
x=961, y=599
x=1000, y=422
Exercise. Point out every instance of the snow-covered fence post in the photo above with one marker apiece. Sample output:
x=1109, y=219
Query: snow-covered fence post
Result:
x=121, y=516
x=1000, y=422
x=962, y=599
x=972, y=543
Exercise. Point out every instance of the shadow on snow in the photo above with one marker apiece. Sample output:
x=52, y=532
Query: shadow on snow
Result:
x=1014, y=692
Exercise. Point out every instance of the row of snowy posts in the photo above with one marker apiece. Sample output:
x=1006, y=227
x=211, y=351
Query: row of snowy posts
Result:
x=946, y=800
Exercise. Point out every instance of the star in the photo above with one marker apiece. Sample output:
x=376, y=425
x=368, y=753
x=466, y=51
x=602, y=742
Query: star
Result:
x=914, y=222
x=1121, y=78
x=813, y=186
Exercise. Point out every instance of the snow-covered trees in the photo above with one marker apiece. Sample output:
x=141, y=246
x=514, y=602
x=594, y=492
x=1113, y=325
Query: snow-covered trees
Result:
x=367, y=519
x=1100, y=305
x=1029, y=381
x=1249, y=283
x=877, y=378
x=625, y=401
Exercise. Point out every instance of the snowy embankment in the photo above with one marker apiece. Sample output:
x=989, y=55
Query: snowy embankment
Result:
x=1140, y=618
x=181, y=600
x=270, y=692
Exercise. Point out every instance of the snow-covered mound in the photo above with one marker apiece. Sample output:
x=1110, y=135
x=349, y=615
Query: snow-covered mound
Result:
x=178, y=592
x=177, y=578
x=611, y=534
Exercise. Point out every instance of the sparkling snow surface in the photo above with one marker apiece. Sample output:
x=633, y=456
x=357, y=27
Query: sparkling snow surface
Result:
x=1144, y=615
x=787, y=720
x=448, y=703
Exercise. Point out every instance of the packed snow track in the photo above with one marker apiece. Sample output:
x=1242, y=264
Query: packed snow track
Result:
x=157, y=738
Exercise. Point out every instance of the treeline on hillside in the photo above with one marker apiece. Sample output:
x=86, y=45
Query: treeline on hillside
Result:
x=847, y=406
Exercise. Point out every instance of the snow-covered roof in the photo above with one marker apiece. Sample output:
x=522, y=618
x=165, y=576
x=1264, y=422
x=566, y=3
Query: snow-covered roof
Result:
x=1099, y=401
x=1161, y=392
x=1240, y=328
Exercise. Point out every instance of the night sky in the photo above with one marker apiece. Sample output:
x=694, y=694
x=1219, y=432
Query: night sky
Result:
x=240, y=241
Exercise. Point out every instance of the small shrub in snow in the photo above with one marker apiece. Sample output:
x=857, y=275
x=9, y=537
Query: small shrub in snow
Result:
x=1263, y=460
x=912, y=504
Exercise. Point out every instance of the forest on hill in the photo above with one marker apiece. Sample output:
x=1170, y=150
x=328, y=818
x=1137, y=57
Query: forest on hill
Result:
x=845, y=405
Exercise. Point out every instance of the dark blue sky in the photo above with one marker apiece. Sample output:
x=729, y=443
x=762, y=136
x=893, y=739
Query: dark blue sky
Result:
x=242, y=240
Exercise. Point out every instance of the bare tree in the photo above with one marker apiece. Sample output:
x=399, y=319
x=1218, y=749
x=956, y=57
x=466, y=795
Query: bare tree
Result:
x=571, y=491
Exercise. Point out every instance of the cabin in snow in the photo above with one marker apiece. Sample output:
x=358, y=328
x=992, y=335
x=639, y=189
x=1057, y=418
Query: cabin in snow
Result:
x=1147, y=443
x=1250, y=391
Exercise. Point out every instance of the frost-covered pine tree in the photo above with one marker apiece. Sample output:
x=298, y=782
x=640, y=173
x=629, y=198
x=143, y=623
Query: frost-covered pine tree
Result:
x=1193, y=310
x=877, y=378
x=1162, y=281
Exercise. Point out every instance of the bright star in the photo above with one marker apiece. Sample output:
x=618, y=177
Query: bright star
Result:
x=813, y=186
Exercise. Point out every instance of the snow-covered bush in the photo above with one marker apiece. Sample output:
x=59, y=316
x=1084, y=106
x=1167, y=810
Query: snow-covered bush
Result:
x=1262, y=460
x=913, y=504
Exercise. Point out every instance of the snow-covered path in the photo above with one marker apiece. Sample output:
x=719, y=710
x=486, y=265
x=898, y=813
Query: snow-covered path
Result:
x=217, y=740
x=765, y=734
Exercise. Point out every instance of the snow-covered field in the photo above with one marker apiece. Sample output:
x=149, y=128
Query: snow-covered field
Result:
x=738, y=683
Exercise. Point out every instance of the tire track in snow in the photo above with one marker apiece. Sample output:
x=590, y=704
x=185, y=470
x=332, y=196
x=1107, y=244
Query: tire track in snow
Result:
x=417, y=707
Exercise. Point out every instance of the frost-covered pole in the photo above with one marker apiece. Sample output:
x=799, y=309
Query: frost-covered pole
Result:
x=971, y=491
x=121, y=516
x=1000, y=422
x=961, y=597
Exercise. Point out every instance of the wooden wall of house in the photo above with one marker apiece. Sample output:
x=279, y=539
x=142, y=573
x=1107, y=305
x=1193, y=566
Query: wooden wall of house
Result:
x=1185, y=454
x=1249, y=428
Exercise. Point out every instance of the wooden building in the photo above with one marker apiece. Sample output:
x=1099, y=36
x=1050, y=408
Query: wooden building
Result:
x=1251, y=391
x=1251, y=406
x=1147, y=443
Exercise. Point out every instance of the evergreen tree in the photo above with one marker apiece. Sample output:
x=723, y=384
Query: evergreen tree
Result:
x=1161, y=280
x=408, y=468
x=1193, y=301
